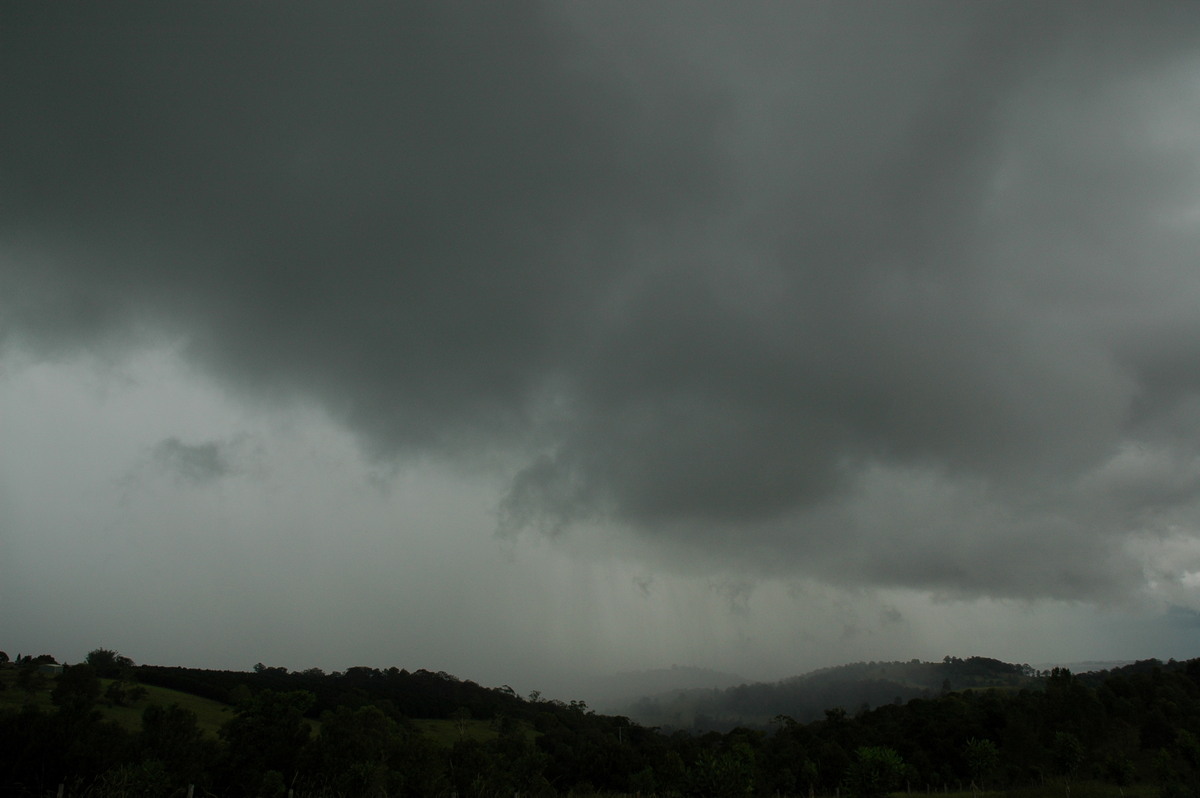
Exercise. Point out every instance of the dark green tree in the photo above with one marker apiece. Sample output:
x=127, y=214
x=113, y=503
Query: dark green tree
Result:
x=1068, y=753
x=982, y=758
x=357, y=751
x=29, y=679
x=172, y=736
x=76, y=690
x=1118, y=770
x=265, y=736
x=722, y=774
x=875, y=771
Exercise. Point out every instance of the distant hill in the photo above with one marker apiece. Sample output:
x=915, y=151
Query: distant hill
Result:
x=853, y=688
x=1086, y=666
x=616, y=692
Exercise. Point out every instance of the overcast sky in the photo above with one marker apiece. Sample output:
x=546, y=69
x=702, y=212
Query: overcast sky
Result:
x=531, y=341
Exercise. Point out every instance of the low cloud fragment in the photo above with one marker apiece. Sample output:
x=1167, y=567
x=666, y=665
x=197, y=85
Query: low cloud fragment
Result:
x=199, y=463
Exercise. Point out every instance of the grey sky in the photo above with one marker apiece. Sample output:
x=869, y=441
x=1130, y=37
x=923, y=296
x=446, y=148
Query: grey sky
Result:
x=535, y=334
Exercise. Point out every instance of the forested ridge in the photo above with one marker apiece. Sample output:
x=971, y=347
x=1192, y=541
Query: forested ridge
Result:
x=368, y=732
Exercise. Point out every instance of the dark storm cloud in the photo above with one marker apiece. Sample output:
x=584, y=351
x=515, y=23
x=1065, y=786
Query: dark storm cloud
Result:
x=874, y=290
x=380, y=206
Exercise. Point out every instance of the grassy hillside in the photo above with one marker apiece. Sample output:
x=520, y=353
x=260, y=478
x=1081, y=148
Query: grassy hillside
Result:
x=209, y=714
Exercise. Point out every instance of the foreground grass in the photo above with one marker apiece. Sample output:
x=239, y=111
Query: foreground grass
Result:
x=1078, y=789
x=1051, y=789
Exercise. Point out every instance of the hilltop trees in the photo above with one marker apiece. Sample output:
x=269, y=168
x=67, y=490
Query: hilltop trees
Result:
x=109, y=664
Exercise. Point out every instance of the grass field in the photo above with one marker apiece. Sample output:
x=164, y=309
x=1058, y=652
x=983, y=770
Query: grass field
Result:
x=210, y=715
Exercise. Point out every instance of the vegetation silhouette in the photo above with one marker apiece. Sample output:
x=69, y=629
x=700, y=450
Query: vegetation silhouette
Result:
x=1132, y=731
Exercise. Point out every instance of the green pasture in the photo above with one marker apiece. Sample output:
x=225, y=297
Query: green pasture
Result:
x=210, y=715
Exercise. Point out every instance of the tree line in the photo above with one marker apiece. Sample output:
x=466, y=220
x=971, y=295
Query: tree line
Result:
x=354, y=733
